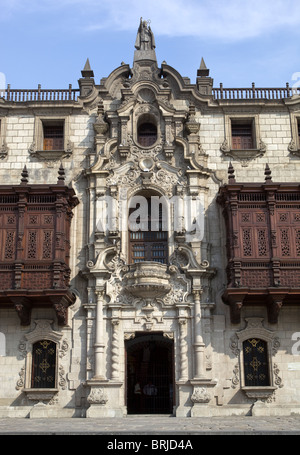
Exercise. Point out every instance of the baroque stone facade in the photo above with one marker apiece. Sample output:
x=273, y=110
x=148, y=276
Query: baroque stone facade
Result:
x=150, y=259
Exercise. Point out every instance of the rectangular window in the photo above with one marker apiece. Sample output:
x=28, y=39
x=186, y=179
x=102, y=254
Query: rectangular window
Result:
x=148, y=239
x=53, y=136
x=256, y=367
x=242, y=135
x=148, y=246
x=43, y=365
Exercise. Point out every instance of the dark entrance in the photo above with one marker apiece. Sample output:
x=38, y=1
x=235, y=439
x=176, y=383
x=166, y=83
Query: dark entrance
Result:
x=150, y=385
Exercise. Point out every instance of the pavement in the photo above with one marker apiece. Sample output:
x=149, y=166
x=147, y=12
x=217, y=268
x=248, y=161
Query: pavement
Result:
x=136, y=426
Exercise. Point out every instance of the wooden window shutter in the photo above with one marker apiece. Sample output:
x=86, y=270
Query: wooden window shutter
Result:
x=54, y=137
x=242, y=136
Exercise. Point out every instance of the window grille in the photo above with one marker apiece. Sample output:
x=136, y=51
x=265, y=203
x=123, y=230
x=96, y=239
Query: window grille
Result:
x=147, y=134
x=43, y=365
x=256, y=368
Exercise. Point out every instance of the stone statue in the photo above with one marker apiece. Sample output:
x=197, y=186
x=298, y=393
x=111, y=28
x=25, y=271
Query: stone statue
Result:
x=145, y=38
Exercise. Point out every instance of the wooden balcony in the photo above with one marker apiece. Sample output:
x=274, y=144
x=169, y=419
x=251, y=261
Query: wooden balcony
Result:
x=35, y=243
x=263, y=245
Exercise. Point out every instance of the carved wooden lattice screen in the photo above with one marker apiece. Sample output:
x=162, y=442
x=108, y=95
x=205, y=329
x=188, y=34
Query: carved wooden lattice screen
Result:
x=35, y=247
x=263, y=245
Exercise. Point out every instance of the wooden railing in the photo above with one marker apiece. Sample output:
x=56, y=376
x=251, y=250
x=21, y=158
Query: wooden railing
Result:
x=39, y=95
x=254, y=93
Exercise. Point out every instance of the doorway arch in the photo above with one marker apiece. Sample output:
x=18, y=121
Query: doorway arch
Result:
x=149, y=374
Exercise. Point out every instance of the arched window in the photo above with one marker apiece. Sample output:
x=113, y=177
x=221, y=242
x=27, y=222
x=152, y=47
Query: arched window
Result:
x=147, y=134
x=43, y=365
x=256, y=365
x=148, y=233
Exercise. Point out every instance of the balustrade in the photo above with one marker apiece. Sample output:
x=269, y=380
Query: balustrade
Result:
x=39, y=95
x=219, y=93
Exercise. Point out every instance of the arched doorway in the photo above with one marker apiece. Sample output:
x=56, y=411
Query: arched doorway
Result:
x=149, y=374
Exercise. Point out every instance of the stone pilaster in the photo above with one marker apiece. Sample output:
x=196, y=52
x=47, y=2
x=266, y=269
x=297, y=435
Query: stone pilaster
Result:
x=99, y=339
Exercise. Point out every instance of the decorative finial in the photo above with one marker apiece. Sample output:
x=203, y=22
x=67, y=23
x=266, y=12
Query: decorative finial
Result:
x=87, y=71
x=61, y=176
x=268, y=174
x=203, y=71
x=231, y=176
x=24, y=175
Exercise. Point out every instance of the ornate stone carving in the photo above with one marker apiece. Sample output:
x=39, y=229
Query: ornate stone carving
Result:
x=98, y=396
x=183, y=349
x=277, y=378
x=21, y=380
x=115, y=349
x=236, y=377
x=63, y=349
x=62, y=380
x=192, y=126
x=3, y=150
x=100, y=125
x=148, y=311
x=243, y=156
x=293, y=148
x=200, y=395
x=147, y=280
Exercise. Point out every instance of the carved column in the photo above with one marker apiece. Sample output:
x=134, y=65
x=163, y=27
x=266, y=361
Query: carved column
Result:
x=99, y=339
x=113, y=213
x=199, y=345
x=90, y=350
x=115, y=350
x=183, y=349
x=91, y=221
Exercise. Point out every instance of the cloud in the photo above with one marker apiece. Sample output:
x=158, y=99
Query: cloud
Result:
x=214, y=19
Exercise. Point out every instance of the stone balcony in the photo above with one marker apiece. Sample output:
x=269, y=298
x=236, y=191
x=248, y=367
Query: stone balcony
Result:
x=147, y=280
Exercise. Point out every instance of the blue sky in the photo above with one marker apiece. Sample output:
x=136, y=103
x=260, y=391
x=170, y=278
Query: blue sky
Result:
x=242, y=41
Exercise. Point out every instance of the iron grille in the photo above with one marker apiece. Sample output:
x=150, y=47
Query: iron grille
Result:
x=256, y=367
x=43, y=365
